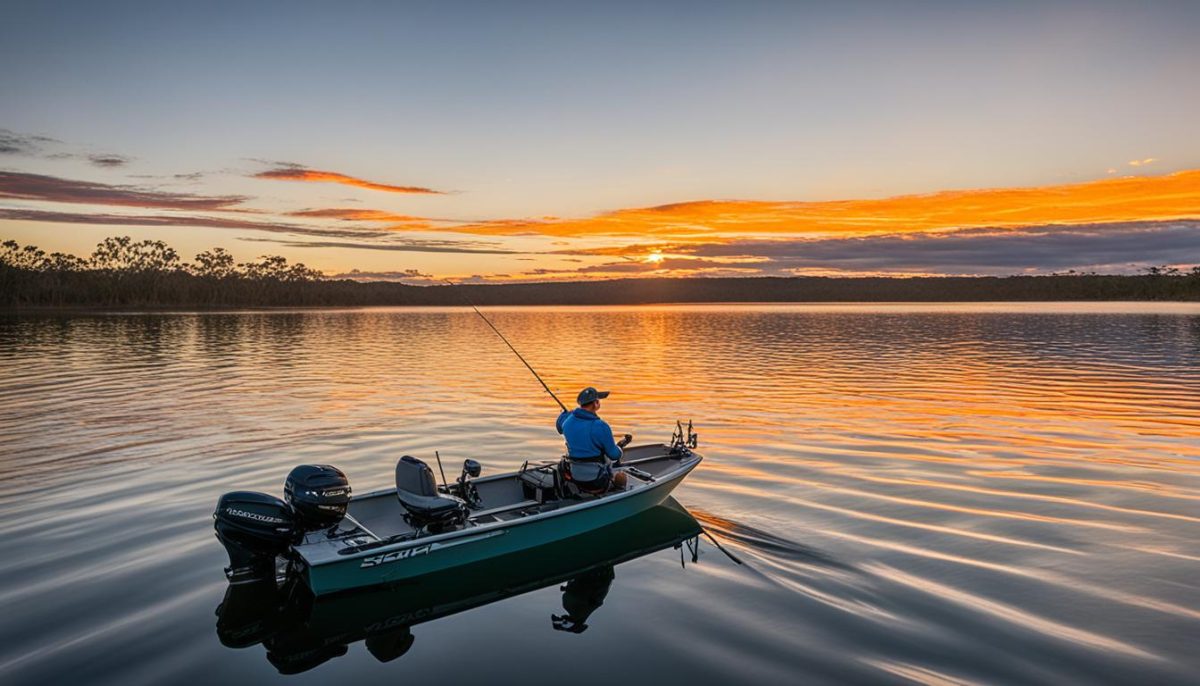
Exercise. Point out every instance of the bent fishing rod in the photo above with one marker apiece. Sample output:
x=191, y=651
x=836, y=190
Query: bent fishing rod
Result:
x=510, y=345
x=537, y=376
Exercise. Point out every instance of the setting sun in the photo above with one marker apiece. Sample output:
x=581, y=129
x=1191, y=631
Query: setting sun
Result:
x=654, y=257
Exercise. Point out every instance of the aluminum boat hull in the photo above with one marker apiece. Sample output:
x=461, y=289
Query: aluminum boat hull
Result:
x=328, y=570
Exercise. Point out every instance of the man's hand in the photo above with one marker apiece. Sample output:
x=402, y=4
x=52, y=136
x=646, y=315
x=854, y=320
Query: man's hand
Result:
x=625, y=440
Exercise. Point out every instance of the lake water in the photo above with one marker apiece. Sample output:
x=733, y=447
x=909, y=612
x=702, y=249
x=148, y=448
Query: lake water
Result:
x=984, y=493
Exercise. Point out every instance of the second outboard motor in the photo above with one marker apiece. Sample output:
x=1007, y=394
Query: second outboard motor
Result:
x=318, y=494
x=254, y=528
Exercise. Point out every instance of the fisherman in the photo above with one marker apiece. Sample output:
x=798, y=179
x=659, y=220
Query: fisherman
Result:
x=591, y=450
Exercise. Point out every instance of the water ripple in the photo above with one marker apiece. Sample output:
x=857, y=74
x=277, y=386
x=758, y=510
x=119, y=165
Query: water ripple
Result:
x=943, y=494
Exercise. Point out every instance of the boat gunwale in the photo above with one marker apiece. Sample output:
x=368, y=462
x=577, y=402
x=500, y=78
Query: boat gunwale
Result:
x=686, y=466
x=508, y=475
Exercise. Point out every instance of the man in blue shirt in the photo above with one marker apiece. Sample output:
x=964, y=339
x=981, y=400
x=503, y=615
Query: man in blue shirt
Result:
x=590, y=445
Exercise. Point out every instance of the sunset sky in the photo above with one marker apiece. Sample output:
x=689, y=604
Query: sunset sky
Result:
x=534, y=141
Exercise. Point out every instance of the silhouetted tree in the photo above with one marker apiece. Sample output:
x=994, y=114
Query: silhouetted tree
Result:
x=214, y=264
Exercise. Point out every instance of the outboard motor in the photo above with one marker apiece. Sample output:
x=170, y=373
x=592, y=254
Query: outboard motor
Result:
x=318, y=495
x=254, y=528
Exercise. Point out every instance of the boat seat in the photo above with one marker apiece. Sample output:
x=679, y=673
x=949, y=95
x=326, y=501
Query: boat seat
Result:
x=419, y=496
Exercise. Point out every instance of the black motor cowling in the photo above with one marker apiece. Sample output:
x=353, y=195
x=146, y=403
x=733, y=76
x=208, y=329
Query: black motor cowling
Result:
x=254, y=528
x=318, y=495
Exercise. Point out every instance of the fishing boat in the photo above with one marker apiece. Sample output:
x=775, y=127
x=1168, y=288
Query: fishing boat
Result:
x=337, y=542
x=301, y=631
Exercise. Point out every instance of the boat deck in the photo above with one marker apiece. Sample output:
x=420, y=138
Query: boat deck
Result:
x=377, y=517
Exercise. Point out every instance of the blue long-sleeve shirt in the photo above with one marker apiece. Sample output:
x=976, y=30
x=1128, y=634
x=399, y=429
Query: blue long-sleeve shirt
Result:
x=587, y=435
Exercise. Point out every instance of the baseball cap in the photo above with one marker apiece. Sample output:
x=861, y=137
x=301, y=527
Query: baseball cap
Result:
x=590, y=395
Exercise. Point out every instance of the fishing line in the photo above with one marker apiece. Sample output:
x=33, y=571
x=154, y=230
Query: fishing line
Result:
x=719, y=546
x=510, y=345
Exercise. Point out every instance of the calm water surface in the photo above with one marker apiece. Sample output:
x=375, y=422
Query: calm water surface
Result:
x=932, y=493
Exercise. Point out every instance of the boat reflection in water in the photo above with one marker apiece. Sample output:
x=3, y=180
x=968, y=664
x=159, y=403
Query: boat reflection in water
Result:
x=301, y=631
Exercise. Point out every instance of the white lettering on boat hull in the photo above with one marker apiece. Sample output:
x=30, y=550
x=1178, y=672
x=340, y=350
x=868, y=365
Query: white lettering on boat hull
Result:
x=397, y=555
x=377, y=560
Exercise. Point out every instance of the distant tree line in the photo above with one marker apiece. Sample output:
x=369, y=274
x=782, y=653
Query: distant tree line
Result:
x=127, y=273
x=147, y=274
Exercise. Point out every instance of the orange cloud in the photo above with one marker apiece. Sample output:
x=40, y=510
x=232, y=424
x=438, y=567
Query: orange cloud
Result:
x=296, y=173
x=352, y=214
x=1142, y=163
x=396, y=222
x=1141, y=198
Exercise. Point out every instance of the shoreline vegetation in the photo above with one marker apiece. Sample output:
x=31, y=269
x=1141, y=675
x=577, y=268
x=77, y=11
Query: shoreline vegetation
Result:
x=124, y=274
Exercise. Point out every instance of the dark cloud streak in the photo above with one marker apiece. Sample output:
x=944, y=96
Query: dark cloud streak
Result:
x=353, y=238
x=1112, y=248
x=109, y=161
x=397, y=245
x=169, y=220
x=22, y=186
x=979, y=251
x=13, y=143
x=406, y=274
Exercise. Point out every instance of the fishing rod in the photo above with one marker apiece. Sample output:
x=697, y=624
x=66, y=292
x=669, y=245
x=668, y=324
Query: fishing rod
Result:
x=510, y=345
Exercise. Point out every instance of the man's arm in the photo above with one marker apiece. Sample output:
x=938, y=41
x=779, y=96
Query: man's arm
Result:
x=603, y=436
x=559, y=422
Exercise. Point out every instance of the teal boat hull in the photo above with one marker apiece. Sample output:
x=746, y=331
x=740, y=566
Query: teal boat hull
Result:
x=429, y=555
x=300, y=632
